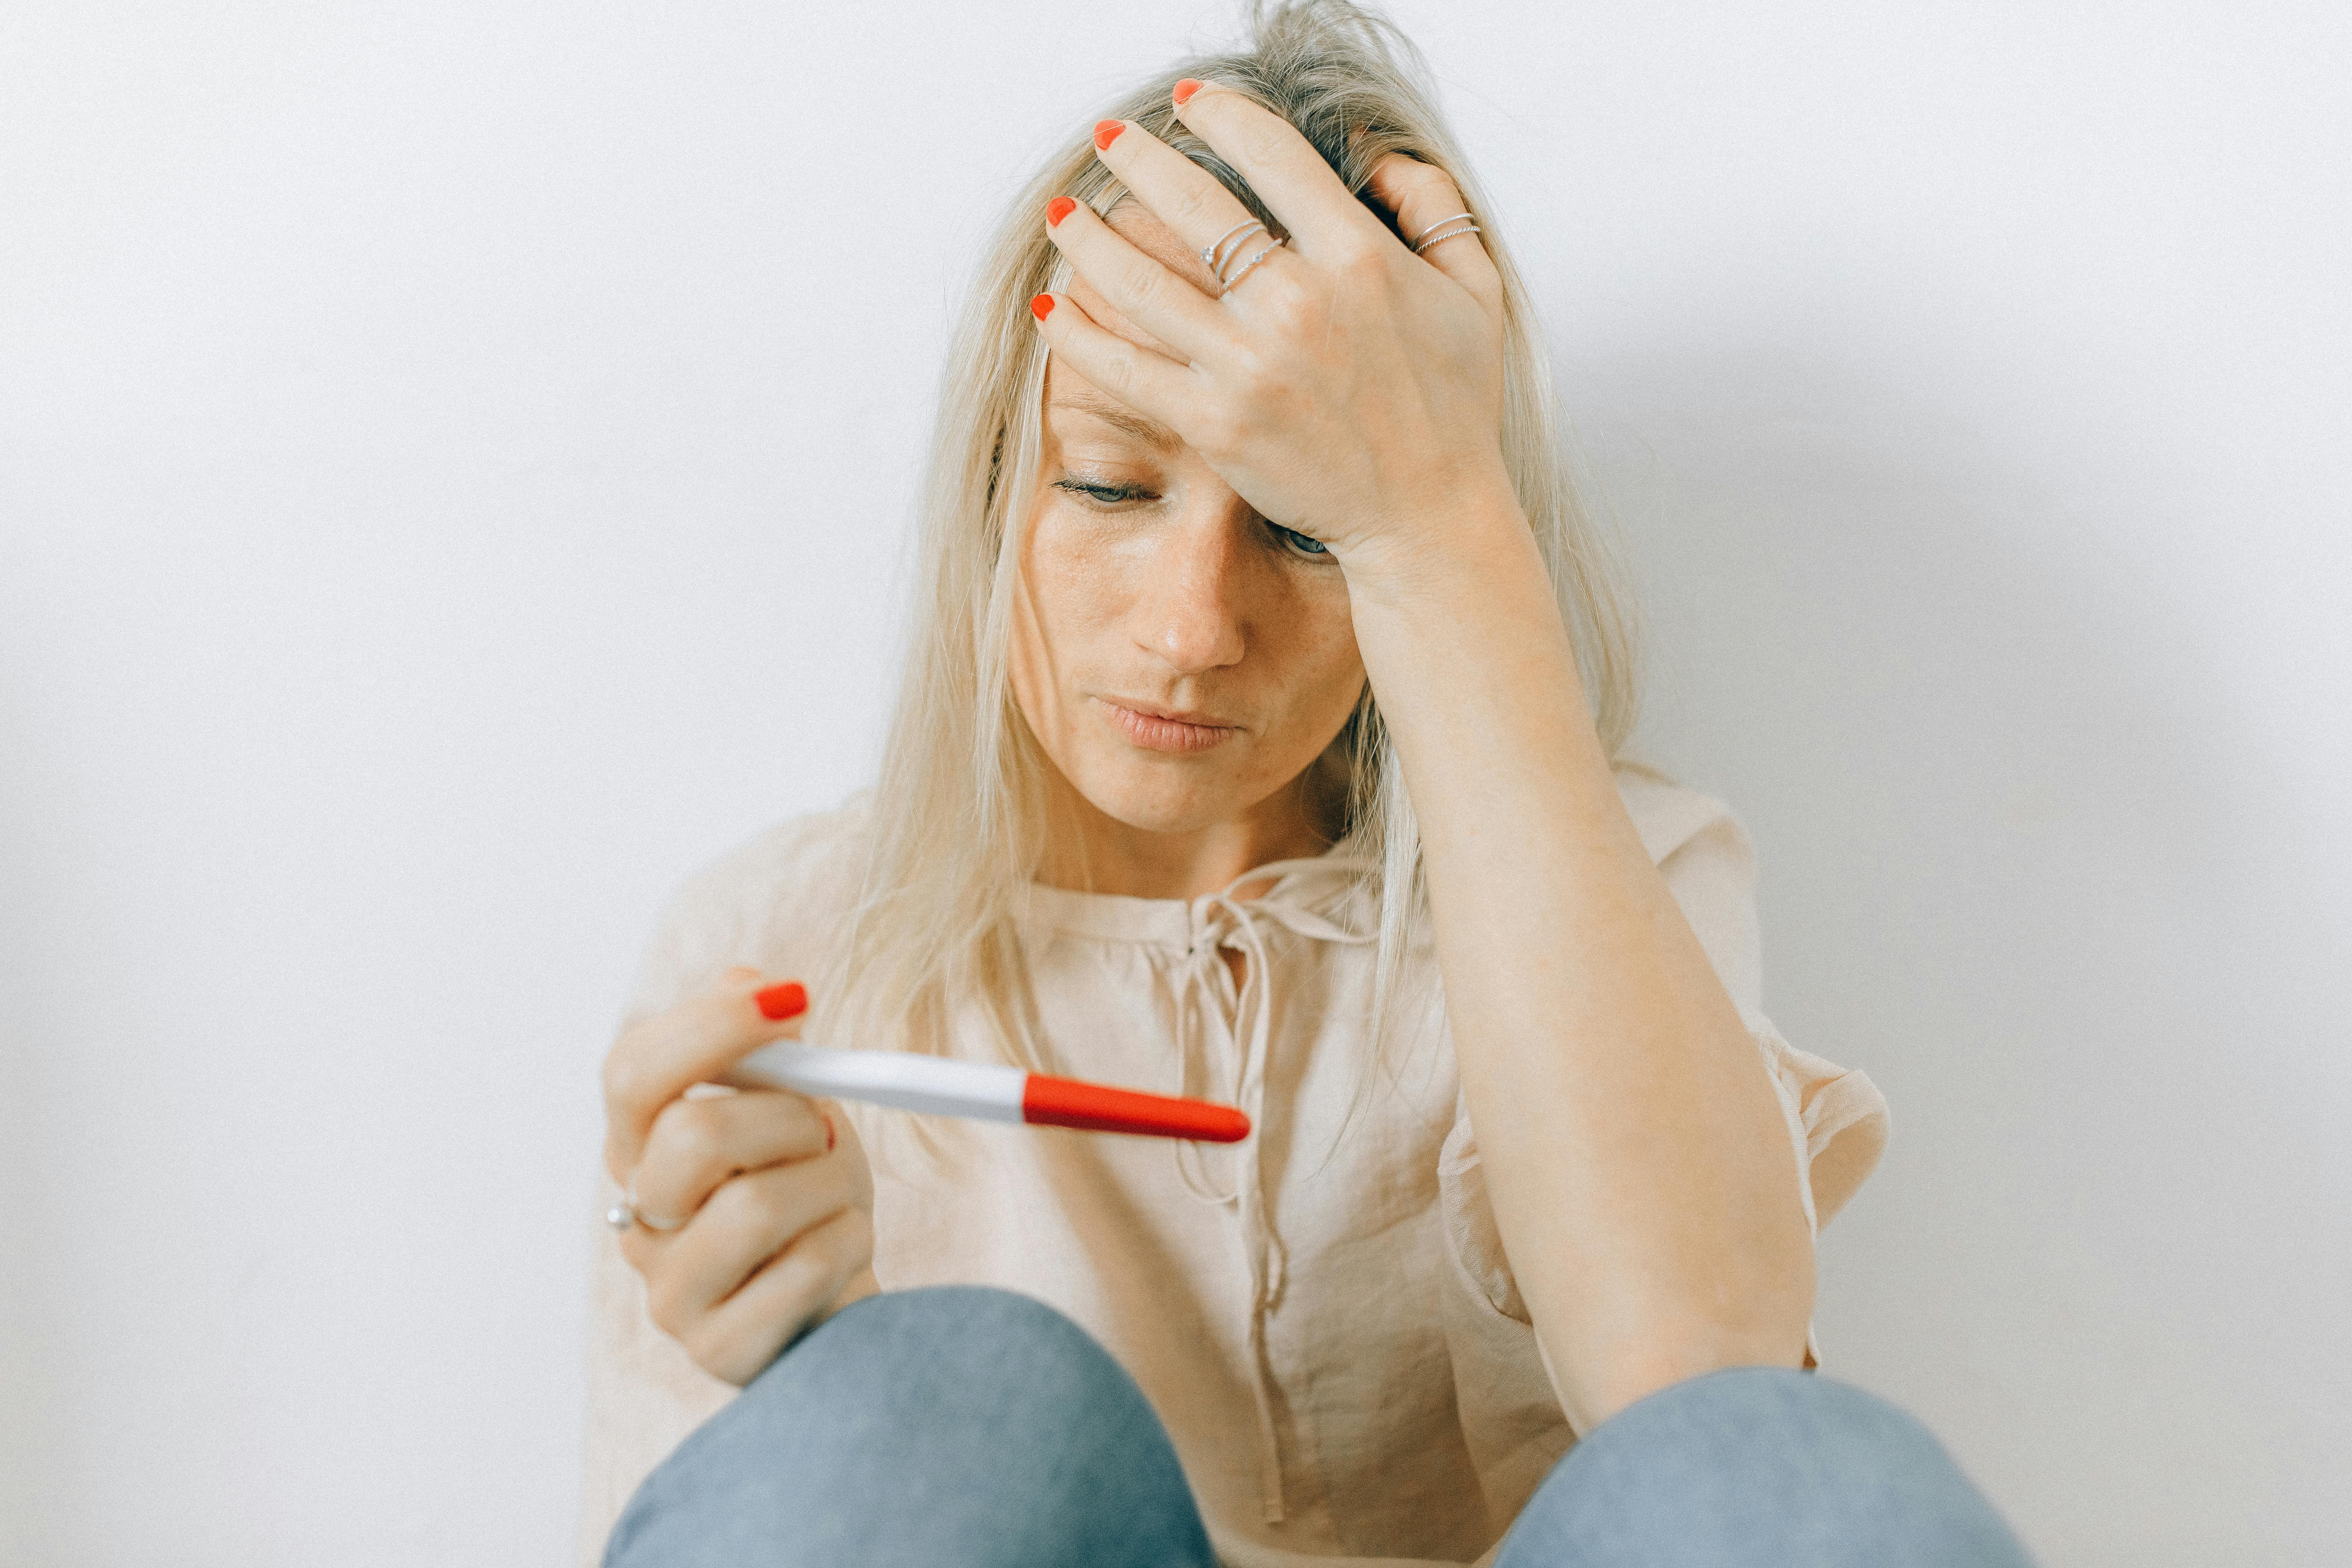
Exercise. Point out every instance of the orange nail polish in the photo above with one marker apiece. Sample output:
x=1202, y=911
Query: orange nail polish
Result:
x=1056, y=210
x=1042, y=306
x=1107, y=132
x=789, y=1000
x=1184, y=92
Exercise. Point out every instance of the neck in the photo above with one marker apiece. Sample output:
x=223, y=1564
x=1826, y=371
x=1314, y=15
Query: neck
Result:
x=1090, y=852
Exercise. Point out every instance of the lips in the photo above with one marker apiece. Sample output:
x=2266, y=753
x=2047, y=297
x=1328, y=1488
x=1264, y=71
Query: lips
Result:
x=1159, y=729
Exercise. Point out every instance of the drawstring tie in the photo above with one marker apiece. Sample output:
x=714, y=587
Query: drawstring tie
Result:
x=1204, y=989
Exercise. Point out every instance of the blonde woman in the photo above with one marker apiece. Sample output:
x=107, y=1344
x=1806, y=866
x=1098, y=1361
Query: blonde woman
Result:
x=1259, y=744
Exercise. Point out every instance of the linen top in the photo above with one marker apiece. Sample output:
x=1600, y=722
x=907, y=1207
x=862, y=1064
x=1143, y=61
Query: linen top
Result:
x=1322, y=1315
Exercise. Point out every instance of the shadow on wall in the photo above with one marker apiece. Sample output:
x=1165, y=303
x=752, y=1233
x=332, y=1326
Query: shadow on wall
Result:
x=2020, y=861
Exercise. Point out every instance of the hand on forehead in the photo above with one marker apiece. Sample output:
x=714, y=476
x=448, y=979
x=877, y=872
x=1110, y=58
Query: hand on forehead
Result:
x=1136, y=224
x=1323, y=374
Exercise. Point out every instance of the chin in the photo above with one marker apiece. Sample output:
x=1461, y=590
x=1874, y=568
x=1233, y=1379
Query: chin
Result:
x=1145, y=796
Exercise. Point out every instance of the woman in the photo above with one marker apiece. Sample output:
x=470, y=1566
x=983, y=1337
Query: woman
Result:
x=1259, y=744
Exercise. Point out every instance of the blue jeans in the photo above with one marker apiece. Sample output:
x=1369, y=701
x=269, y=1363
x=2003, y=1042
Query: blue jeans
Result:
x=962, y=1427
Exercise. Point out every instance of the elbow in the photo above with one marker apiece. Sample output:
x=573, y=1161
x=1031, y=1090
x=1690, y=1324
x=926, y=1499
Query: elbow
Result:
x=1766, y=1323
x=1636, y=1377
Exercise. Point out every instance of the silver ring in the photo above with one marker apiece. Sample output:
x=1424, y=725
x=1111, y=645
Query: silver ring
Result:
x=1430, y=236
x=1437, y=239
x=624, y=1214
x=1432, y=228
x=1249, y=266
x=1213, y=257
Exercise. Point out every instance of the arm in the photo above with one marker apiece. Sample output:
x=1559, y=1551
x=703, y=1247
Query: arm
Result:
x=1635, y=1154
x=1636, y=1160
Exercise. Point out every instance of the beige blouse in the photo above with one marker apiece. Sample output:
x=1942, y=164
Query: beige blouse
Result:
x=1323, y=1314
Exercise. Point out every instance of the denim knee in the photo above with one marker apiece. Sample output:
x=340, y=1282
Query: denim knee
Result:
x=955, y=1423
x=1765, y=1466
x=980, y=1341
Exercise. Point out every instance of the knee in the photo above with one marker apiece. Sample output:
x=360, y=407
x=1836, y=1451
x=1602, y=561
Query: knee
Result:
x=968, y=1345
x=958, y=1398
x=1832, y=1474
x=1744, y=1409
x=1790, y=1432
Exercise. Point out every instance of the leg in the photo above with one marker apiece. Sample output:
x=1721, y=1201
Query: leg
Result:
x=1762, y=1467
x=955, y=1426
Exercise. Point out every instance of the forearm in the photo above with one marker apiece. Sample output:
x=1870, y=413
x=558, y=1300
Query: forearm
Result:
x=1633, y=1148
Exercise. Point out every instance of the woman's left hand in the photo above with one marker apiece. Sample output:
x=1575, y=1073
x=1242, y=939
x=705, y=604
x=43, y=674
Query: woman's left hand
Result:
x=1347, y=388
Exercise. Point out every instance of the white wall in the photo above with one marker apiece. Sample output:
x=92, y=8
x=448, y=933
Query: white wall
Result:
x=453, y=468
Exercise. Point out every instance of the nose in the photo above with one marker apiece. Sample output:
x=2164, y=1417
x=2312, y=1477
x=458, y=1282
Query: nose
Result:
x=1189, y=610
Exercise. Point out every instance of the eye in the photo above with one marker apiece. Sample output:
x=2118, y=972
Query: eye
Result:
x=1095, y=492
x=1298, y=544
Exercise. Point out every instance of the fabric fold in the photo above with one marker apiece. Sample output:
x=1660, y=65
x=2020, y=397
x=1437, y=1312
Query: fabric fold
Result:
x=1226, y=921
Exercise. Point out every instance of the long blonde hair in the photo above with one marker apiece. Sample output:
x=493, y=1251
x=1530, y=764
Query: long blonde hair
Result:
x=959, y=814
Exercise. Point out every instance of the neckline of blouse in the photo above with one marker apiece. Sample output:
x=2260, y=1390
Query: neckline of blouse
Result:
x=1316, y=889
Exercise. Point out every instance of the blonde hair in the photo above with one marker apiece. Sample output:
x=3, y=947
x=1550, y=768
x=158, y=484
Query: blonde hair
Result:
x=959, y=812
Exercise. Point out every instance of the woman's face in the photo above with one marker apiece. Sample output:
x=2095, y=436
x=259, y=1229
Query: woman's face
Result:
x=1180, y=658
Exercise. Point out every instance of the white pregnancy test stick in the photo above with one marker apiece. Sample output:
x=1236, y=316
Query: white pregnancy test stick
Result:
x=987, y=1092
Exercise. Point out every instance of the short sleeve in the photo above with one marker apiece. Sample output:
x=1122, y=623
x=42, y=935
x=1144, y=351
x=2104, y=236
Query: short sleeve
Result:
x=1836, y=1120
x=764, y=903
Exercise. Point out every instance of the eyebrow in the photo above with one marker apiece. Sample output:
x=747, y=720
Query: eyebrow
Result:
x=1119, y=416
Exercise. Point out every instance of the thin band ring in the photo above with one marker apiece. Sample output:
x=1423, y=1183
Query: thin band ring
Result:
x=1430, y=236
x=1251, y=265
x=1430, y=241
x=1231, y=253
x=624, y=1214
x=1214, y=257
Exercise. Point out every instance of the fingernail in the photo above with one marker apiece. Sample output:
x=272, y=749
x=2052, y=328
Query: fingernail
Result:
x=1184, y=92
x=1056, y=210
x=1042, y=306
x=789, y=1000
x=1107, y=132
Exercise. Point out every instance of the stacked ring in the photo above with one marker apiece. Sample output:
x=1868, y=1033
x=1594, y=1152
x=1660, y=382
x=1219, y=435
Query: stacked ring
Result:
x=1217, y=257
x=1214, y=256
x=1431, y=236
x=1234, y=281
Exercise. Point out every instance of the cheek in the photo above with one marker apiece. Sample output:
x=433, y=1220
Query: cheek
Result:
x=1322, y=670
x=1068, y=593
x=1074, y=583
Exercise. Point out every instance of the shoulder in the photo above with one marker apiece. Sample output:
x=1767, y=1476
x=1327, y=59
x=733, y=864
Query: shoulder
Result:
x=776, y=899
x=1672, y=819
x=815, y=859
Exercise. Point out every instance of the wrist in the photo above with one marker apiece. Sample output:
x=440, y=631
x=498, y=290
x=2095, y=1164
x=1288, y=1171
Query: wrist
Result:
x=1474, y=544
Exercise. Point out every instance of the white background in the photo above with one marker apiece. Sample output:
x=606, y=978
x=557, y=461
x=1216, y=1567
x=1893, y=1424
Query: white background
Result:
x=454, y=462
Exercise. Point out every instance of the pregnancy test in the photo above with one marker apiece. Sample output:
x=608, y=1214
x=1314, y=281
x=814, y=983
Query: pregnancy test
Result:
x=987, y=1091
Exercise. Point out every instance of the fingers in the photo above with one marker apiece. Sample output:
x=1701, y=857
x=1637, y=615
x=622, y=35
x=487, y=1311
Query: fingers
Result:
x=1148, y=382
x=745, y=1224
x=792, y=1290
x=1325, y=220
x=1138, y=286
x=1423, y=196
x=1190, y=200
x=657, y=1060
x=697, y=1144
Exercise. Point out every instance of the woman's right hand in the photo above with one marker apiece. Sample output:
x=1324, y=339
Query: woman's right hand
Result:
x=755, y=1205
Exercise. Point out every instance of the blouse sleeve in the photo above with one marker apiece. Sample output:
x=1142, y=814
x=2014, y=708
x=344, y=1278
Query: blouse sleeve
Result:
x=645, y=1393
x=1836, y=1120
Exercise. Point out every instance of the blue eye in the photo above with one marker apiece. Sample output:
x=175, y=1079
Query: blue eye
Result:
x=1292, y=539
x=1100, y=494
